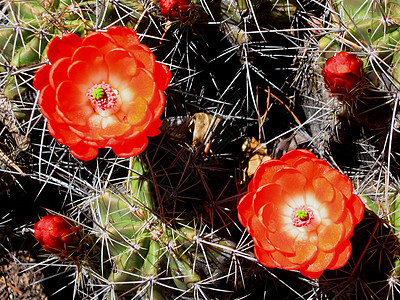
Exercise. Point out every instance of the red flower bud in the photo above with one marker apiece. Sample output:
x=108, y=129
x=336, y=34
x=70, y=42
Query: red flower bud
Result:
x=56, y=235
x=176, y=9
x=342, y=73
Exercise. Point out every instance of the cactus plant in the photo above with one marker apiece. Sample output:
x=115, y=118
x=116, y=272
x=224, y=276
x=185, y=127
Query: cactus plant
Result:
x=169, y=229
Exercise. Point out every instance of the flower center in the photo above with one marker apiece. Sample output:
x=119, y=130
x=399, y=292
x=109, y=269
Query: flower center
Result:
x=302, y=216
x=105, y=100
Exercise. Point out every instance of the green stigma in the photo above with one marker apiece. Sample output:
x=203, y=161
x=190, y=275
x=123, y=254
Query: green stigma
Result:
x=98, y=93
x=302, y=214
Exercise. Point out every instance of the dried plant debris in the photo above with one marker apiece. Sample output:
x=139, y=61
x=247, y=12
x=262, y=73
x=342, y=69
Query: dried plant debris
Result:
x=18, y=279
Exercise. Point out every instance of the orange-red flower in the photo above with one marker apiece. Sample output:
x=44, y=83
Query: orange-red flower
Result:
x=103, y=90
x=56, y=235
x=343, y=73
x=301, y=214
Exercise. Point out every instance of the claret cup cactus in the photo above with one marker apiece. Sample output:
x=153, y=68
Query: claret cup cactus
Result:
x=165, y=141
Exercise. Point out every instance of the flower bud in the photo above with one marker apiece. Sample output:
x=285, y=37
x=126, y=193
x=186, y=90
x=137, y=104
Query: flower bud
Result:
x=343, y=73
x=176, y=9
x=57, y=235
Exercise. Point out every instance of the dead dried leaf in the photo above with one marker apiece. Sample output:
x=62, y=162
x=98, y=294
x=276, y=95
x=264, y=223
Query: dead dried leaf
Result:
x=257, y=154
x=203, y=127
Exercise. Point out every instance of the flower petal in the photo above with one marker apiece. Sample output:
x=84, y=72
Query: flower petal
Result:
x=157, y=103
x=305, y=252
x=94, y=123
x=340, y=181
x=264, y=257
x=315, y=269
x=333, y=210
x=263, y=243
x=323, y=189
x=63, y=136
x=134, y=111
x=292, y=156
x=342, y=256
x=264, y=174
x=122, y=67
x=257, y=230
x=58, y=71
x=284, y=242
x=357, y=208
x=245, y=208
x=64, y=47
x=162, y=76
x=144, y=57
x=282, y=261
x=100, y=40
x=96, y=70
x=292, y=181
x=329, y=236
x=131, y=147
x=41, y=78
x=153, y=128
x=72, y=104
x=79, y=74
x=312, y=168
x=271, y=193
x=311, y=275
x=348, y=223
x=123, y=37
x=47, y=102
x=112, y=127
x=83, y=151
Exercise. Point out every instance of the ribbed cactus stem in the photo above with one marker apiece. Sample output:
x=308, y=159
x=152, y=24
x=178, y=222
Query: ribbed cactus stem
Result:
x=182, y=272
x=142, y=245
x=140, y=189
x=394, y=214
x=150, y=268
x=128, y=262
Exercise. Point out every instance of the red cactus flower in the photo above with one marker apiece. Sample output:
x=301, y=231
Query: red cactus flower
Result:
x=56, y=235
x=103, y=90
x=343, y=73
x=301, y=214
x=176, y=9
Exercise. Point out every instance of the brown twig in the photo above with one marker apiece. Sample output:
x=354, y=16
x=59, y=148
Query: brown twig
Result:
x=261, y=119
x=11, y=286
x=10, y=162
x=287, y=107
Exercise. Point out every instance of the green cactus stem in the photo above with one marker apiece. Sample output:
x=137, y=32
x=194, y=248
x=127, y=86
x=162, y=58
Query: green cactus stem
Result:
x=142, y=245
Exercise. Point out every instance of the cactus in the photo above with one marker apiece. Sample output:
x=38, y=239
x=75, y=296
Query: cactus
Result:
x=169, y=229
x=144, y=248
